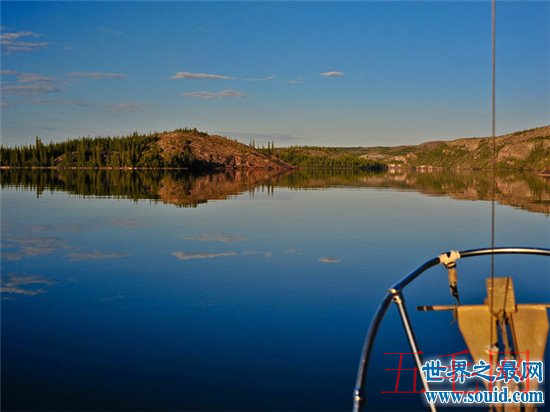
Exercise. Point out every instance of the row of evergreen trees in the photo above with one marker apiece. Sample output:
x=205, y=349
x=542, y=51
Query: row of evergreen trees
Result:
x=143, y=151
x=136, y=150
x=270, y=150
x=322, y=157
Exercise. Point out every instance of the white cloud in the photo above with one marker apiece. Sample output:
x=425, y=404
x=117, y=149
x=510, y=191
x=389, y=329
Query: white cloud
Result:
x=118, y=107
x=23, y=77
x=294, y=81
x=29, y=89
x=215, y=95
x=18, y=35
x=62, y=102
x=18, y=42
x=190, y=256
x=201, y=76
x=95, y=75
x=261, y=79
x=72, y=131
x=28, y=84
x=332, y=74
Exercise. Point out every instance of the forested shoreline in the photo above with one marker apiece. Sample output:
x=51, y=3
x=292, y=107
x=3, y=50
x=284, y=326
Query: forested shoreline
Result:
x=192, y=149
x=179, y=149
x=140, y=151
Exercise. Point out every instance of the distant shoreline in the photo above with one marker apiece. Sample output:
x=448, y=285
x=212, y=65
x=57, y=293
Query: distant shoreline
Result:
x=423, y=169
x=190, y=149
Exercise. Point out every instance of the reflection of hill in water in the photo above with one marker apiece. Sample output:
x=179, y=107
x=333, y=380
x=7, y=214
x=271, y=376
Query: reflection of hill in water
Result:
x=181, y=188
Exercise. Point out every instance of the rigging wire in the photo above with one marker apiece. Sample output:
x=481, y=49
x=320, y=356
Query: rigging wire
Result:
x=493, y=155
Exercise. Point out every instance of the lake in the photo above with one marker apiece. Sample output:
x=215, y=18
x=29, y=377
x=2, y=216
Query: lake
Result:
x=165, y=290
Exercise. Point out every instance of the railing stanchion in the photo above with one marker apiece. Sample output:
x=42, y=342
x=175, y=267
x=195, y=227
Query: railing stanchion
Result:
x=399, y=301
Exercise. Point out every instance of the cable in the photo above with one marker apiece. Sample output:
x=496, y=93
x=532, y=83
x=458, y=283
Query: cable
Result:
x=493, y=155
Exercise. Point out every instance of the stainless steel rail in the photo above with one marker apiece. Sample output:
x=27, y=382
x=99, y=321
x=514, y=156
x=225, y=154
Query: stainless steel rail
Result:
x=359, y=395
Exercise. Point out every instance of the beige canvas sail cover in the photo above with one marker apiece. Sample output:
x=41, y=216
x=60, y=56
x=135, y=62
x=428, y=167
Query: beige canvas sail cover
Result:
x=527, y=324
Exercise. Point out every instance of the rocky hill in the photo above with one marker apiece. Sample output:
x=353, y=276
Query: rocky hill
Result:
x=524, y=150
x=182, y=148
x=215, y=151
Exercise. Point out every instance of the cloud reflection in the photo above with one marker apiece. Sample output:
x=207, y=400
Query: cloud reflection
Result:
x=327, y=259
x=112, y=298
x=190, y=256
x=124, y=222
x=30, y=247
x=24, y=284
x=95, y=255
x=248, y=252
x=257, y=252
x=59, y=228
x=216, y=237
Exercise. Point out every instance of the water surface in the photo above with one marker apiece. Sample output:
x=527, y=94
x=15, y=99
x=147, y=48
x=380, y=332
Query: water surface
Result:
x=149, y=290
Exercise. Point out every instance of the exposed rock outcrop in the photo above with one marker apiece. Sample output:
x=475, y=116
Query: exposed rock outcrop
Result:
x=215, y=151
x=524, y=150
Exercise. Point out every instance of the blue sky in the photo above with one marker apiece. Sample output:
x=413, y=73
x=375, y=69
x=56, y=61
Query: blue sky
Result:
x=338, y=74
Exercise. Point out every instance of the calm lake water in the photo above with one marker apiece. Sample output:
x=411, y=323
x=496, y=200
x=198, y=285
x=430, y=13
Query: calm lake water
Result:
x=128, y=290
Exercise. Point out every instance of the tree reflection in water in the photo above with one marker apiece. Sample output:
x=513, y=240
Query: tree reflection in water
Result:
x=186, y=189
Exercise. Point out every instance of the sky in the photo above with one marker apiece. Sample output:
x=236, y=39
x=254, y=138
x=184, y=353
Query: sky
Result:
x=298, y=73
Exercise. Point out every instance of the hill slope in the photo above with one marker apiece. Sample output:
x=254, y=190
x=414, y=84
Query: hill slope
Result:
x=216, y=151
x=189, y=148
x=524, y=150
x=182, y=148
